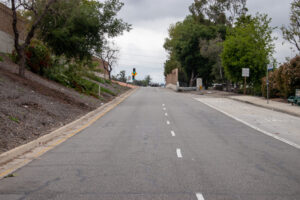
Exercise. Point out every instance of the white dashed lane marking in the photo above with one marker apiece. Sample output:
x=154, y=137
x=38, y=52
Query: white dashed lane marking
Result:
x=168, y=122
x=199, y=196
x=173, y=133
x=166, y=114
x=179, y=154
x=164, y=109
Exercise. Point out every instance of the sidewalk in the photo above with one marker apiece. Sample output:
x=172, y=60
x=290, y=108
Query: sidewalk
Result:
x=282, y=126
x=273, y=105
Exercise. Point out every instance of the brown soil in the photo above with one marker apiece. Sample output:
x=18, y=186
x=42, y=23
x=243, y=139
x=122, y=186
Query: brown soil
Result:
x=34, y=106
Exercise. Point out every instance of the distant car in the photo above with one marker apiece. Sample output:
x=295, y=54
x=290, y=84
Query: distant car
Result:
x=294, y=100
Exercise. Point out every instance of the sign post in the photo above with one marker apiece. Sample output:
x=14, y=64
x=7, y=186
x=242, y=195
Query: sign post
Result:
x=245, y=74
x=269, y=67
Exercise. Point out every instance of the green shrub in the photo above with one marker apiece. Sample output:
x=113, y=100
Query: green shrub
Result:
x=37, y=57
x=107, y=91
x=72, y=76
x=285, y=80
x=93, y=77
x=1, y=59
x=13, y=56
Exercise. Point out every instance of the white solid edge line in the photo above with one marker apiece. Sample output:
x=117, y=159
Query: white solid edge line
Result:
x=199, y=196
x=173, y=133
x=252, y=126
x=179, y=154
x=168, y=122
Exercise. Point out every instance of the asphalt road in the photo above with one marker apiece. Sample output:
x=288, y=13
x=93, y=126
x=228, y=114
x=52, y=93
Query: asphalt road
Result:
x=162, y=145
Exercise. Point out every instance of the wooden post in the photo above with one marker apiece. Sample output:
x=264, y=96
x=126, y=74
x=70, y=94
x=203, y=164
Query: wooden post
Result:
x=99, y=90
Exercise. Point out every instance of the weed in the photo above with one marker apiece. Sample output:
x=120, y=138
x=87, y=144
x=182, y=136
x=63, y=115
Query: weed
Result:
x=14, y=119
x=107, y=91
x=10, y=175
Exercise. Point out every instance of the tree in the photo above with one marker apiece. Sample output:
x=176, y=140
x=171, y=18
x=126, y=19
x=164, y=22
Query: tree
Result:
x=193, y=45
x=122, y=76
x=148, y=80
x=292, y=32
x=109, y=57
x=212, y=49
x=78, y=28
x=38, y=9
x=215, y=10
x=183, y=47
x=145, y=82
x=248, y=45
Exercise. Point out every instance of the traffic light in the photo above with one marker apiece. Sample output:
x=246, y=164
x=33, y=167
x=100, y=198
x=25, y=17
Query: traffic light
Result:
x=133, y=74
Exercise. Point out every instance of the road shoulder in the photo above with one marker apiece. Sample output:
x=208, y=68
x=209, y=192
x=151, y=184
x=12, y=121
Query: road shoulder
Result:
x=278, y=125
x=22, y=155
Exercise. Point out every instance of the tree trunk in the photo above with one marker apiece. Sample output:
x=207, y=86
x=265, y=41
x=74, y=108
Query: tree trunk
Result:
x=22, y=63
x=192, y=79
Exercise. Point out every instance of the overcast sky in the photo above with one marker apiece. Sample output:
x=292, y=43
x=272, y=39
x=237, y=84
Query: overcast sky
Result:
x=142, y=47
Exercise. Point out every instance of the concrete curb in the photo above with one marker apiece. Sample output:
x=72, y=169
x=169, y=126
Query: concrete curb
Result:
x=266, y=107
x=73, y=126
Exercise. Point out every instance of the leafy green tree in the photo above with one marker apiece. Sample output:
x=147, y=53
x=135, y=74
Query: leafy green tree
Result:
x=171, y=64
x=218, y=11
x=39, y=10
x=148, y=80
x=122, y=76
x=248, y=45
x=212, y=49
x=183, y=45
x=292, y=32
x=78, y=28
x=194, y=44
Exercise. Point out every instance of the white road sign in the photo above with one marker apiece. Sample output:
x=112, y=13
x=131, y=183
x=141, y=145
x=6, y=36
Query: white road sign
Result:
x=245, y=72
x=270, y=67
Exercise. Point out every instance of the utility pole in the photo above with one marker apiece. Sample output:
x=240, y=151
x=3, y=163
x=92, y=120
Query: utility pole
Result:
x=267, y=85
x=269, y=67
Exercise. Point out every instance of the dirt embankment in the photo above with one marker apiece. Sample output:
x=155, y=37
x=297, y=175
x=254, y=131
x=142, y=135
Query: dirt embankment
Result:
x=33, y=106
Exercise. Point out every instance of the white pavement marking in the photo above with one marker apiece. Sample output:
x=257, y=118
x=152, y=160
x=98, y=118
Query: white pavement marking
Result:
x=164, y=109
x=168, y=122
x=199, y=196
x=163, y=105
x=166, y=114
x=173, y=133
x=178, y=151
x=250, y=125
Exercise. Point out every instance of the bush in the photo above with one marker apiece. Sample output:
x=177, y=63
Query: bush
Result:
x=13, y=56
x=1, y=59
x=105, y=90
x=93, y=77
x=38, y=57
x=285, y=80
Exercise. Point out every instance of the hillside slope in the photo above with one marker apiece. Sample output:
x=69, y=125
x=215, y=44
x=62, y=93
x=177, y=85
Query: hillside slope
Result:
x=34, y=106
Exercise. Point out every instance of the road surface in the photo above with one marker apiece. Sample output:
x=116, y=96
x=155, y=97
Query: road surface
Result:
x=161, y=145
